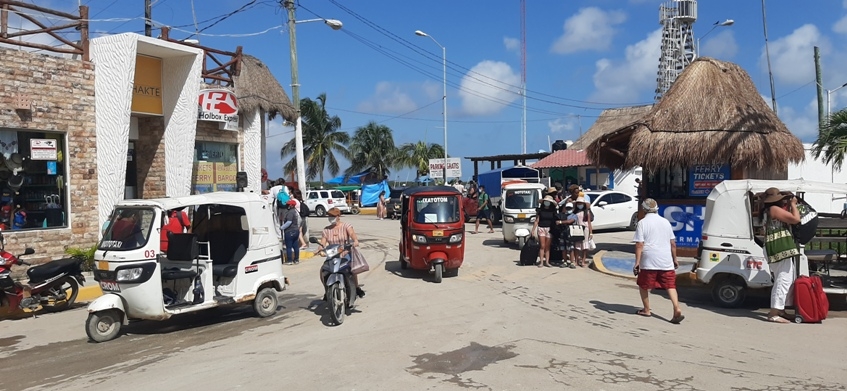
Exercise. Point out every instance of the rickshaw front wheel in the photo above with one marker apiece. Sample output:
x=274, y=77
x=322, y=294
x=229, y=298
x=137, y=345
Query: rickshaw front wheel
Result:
x=403, y=264
x=104, y=326
x=265, y=303
x=439, y=272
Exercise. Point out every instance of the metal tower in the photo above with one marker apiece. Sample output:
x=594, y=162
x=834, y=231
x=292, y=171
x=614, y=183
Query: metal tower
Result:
x=677, y=18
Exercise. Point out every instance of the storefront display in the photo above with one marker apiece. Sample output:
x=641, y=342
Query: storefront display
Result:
x=32, y=174
x=215, y=167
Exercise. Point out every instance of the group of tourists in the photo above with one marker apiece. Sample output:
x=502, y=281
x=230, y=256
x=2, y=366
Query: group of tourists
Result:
x=563, y=224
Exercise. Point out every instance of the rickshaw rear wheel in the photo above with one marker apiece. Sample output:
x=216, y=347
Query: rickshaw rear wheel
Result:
x=104, y=326
x=266, y=302
x=521, y=242
x=729, y=291
x=439, y=272
x=336, y=303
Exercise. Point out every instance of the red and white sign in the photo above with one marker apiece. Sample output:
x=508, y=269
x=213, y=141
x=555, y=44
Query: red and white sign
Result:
x=219, y=105
x=43, y=149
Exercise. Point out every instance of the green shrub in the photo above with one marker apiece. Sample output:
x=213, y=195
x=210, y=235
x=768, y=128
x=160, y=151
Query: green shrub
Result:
x=86, y=254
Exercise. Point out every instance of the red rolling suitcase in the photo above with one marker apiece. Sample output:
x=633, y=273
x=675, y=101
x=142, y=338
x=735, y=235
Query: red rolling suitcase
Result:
x=810, y=300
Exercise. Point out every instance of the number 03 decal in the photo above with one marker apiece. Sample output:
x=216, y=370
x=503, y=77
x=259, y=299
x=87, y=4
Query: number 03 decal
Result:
x=149, y=253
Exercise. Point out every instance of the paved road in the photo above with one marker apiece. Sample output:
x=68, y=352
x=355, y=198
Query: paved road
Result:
x=496, y=326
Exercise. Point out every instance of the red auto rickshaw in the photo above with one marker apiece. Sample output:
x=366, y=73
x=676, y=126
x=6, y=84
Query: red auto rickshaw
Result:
x=433, y=230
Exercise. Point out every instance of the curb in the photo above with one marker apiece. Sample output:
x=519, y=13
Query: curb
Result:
x=367, y=211
x=88, y=293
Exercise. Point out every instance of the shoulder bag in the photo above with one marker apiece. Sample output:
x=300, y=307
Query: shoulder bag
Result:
x=358, y=264
x=779, y=244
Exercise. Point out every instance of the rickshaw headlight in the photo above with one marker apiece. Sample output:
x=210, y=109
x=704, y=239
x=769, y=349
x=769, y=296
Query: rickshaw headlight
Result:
x=419, y=239
x=455, y=238
x=508, y=219
x=130, y=274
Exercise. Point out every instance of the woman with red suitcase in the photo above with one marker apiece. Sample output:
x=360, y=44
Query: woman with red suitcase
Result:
x=780, y=212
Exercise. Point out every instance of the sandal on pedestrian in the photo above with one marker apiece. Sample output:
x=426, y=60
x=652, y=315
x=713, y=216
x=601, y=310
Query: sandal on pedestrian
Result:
x=777, y=319
x=571, y=265
x=643, y=313
x=677, y=319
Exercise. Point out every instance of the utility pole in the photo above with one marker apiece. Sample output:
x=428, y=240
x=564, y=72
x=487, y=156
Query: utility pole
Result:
x=768, y=56
x=148, y=18
x=819, y=82
x=295, y=97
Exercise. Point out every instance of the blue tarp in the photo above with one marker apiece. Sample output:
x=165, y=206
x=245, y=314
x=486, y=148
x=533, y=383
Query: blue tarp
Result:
x=370, y=193
x=353, y=179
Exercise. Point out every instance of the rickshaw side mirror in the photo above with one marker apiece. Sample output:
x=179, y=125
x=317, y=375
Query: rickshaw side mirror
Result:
x=29, y=251
x=313, y=239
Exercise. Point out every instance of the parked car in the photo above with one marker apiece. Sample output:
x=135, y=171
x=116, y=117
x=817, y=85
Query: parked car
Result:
x=613, y=209
x=392, y=206
x=320, y=201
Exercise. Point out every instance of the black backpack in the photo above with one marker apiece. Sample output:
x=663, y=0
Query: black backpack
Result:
x=804, y=231
x=304, y=210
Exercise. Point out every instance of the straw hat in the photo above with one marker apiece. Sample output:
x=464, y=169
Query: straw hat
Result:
x=551, y=191
x=14, y=162
x=580, y=200
x=773, y=195
x=548, y=198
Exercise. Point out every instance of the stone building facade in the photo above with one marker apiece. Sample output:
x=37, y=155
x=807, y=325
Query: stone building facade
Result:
x=49, y=97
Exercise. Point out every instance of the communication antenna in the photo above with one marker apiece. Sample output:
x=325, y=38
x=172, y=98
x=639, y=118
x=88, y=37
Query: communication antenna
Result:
x=677, y=18
x=523, y=75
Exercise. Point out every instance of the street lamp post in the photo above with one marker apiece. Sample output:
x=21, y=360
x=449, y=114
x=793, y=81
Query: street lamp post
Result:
x=443, y=98
x=725, y=23
x=295, y=88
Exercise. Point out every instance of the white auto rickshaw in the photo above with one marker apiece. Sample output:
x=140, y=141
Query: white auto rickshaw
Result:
x=518, y=205
x=232, y=255
x=731, y=255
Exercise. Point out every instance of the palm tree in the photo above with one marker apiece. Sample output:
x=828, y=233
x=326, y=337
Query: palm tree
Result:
x=372, y=149
x=417, y=156
x=832, y=140
x=321, y=140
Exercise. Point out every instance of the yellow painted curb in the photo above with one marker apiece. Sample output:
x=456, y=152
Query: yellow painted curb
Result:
x=306, y=254
x=88, y=293
x=367, y=211
x=597, y=264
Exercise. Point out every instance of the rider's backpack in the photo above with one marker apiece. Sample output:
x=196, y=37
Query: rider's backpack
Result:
x=304, y=210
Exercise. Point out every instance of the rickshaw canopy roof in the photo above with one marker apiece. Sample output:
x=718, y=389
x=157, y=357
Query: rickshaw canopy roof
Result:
x=727, y=207
x=524, y=185
x=259, y=216
x=434, y=189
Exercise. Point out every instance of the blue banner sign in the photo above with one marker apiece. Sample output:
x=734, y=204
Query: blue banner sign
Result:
x=703, y=178
x=687, y=223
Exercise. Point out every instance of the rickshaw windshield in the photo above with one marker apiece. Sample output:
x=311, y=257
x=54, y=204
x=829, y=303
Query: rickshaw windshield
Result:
x=128, y=229
x=437, y=209
x=521, y=199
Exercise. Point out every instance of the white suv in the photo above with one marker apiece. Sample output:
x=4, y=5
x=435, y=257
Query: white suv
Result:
x=320, y=201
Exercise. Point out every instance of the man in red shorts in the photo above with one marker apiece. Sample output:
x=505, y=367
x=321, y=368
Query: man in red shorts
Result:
x=655, y=258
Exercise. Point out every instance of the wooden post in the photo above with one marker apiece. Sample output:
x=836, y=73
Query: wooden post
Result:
x=237, y=65
x=83, y=31
x=166, y=32
x=4, y=20
x=492, y=165
x=475, y=169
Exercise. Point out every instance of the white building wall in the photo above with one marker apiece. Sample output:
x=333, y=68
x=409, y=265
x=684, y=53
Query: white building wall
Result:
x=253, y=151
x=816, y=170
x=114, y=69
x=179, y=103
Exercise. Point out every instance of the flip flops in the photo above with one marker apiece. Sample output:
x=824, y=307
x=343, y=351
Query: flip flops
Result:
x=643, y=313
x=677, y=319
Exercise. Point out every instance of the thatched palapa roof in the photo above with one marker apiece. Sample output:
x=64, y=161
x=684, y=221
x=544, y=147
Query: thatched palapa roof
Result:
x=257, y=88
x=712, y=114
x=609, y=121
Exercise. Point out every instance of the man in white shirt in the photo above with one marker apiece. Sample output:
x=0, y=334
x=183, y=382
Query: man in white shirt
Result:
x=655, y=258
x=459, y=186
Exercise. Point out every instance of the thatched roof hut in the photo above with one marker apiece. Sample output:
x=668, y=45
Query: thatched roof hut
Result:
x=257, y=88
x=712, y=114
x=609, y=121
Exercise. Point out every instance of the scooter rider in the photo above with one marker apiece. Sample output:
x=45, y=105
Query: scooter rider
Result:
x=340, y=233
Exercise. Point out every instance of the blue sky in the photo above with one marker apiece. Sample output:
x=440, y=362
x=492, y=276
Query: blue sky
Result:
x=582, y=56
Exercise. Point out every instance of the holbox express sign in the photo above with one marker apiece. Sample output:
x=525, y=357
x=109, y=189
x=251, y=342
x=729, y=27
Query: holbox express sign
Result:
x=219, y=105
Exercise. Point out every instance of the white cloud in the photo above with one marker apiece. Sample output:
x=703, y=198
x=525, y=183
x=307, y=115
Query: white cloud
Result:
x=623, y=81
x=559, y=125
x=388, y=98
x=721, y=46
x=488, y=88
x=512, y=44
x=589, y=29
x=840, y=26
x=803, y=123
x=791, y=56
x=432, y=90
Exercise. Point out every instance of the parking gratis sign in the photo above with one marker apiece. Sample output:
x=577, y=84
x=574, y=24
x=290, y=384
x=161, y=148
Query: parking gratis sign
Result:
x=703, y=178
x=454, y=168
x=687, y=223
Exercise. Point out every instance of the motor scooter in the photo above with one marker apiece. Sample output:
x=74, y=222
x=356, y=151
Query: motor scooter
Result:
x=339, y=284
x=54, y=284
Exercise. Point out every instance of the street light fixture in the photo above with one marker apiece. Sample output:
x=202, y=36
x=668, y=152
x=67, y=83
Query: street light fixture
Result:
x=725, y=23
x=295, y=88
x=829, y=101
x=443, y=98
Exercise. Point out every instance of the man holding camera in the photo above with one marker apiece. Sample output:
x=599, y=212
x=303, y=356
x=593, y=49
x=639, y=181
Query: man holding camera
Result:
x=655, y=258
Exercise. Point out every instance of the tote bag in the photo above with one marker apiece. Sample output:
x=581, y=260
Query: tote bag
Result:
x=358, y=264
x=576, y=233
